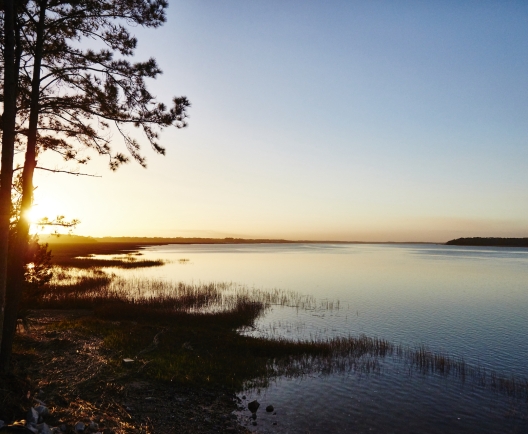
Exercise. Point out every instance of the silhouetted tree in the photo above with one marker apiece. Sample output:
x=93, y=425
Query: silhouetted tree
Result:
x=9, y=68
x=70, y=98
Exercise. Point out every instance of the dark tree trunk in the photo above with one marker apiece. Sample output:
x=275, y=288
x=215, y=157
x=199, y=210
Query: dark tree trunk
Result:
x=18, y=252
x=8, y=146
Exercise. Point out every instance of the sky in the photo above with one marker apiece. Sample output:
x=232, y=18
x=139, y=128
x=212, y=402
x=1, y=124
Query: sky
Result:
x=324, y=120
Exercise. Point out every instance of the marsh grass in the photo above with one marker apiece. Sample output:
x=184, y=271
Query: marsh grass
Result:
x=92, y=288
x=201, y=341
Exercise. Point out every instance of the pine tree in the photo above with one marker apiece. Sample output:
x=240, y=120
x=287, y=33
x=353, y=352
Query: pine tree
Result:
x=10, y=69
x=70, y=98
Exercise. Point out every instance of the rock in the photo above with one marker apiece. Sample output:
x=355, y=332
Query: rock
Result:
x=79, y=427
x=269, y=408
x=93, y=426
x=254, y=416
x=63, y=428
x=32, y=417
x=1, y=423
x=43, y=429
x=254, y=423
x=274, y=423
x=253, y=406
x=42, y=412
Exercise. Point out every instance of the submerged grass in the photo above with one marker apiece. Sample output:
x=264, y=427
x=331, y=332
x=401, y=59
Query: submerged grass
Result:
x=426, y=361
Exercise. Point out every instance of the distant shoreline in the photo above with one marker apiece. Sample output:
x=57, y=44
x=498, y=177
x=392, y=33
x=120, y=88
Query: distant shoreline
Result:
x=77, y=239
x=145, y=241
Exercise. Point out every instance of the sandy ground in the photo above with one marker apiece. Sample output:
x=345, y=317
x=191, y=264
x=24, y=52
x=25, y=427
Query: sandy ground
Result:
x=69, y=372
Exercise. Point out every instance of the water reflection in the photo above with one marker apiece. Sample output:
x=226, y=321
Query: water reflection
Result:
x=492, y=253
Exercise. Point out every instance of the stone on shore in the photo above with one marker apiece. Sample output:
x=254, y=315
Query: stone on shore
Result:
x=79, y=427
x=44, y=429
x=253, y=406
x=32, y=417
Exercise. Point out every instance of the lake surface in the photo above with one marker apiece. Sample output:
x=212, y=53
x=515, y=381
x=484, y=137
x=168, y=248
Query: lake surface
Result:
x=469, y=302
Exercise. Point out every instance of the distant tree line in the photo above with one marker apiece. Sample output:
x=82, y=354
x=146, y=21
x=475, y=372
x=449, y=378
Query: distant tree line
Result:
x=491, y=241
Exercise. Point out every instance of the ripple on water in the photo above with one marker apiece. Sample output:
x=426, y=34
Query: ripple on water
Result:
x=396, y=401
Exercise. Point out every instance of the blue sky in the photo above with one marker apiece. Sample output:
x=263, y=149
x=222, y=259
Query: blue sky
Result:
x=366, y=120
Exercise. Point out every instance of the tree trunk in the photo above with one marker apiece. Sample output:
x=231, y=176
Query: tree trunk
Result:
x=8, y=146
x=18, y=252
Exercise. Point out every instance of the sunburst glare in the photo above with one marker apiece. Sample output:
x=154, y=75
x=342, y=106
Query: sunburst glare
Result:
x=40, y=211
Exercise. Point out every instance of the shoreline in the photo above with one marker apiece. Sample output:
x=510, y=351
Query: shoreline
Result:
x=76, y=239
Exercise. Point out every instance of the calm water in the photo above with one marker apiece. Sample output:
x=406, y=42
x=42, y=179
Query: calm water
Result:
x=468, y=302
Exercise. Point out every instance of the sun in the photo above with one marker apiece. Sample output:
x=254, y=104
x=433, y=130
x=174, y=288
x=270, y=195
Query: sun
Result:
x=33, y=215
x=40, y=210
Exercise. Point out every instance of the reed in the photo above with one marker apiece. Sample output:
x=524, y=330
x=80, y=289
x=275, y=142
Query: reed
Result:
x=429, y=362
x=92, y=288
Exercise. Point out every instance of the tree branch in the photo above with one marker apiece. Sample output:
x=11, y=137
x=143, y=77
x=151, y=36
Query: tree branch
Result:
x=67, y=172
x=61, y=171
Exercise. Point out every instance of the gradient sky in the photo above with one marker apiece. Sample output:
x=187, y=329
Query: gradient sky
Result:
x=351, y=120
